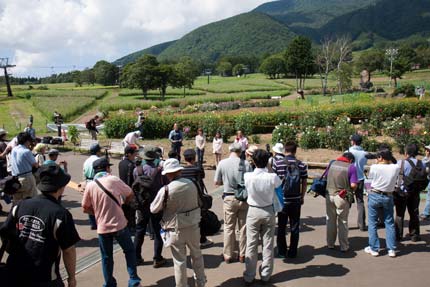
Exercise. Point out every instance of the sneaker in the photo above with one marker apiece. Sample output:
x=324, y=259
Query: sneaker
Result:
x=415, y=238
x=392, y=253
x=369, y=250
x=206, y=244
x=159, y=263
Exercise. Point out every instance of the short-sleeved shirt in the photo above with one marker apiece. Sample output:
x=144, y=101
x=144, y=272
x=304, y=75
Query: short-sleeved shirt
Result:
x=88, y=167
x=243, y=141
x=175, y=136
x=22, y=160
x=109, y=215
x=228, y=173
x=130, y=138
x=44, y=228
x=384, y=176
x=407, y=169
x=360, y=160
x=126, y=168
x=260, y=185
x=280, y=166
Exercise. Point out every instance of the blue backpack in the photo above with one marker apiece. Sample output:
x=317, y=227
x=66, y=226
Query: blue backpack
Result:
x=291, y=183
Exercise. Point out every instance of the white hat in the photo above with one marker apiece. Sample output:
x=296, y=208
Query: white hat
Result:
x=138, y=133
x=250, y=151
x=278, y=148
x=171, y=165
x=426, y=147
x=3, y=132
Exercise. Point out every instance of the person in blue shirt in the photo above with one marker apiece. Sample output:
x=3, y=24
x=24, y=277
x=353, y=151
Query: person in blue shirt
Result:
x=175, y=138
x=360, y=161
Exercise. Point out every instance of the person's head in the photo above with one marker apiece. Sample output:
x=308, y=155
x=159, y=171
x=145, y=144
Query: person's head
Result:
x=260, y=158
x=53, y=154
x=356, y=139
x=138, y=133
x=411, y=150
x=53, y=180
x=3, y=134
x=40, y=148
x=95, y=149
x=290, y=147
x=190, y=156
x=218, y=135
x=149, y=155
x=384, y=155
x=175, y=126
x=200, y=131
x=278, y=148
x=427, y=150
x=102, y=164
x=239, y=134
x=96, y=117
x=349, y=156
x=172, y=169
x=250, y=150
x=29, y=125
x=130, y=152
x=24, y=139
x=173, y=154
x=235, y=148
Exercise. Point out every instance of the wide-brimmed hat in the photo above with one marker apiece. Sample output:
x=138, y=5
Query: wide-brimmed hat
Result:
x=171, y=165
x=3, y=132
x=250, y=150
x=149, y=155
x=278, y=148
x=426, y=147
x=52, y=178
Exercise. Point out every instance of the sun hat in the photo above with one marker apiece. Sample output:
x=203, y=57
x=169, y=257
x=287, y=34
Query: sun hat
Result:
x=149, y=155
x=52, y=178
x=235, y=147
x=278, y=148
x=138, y=133
x=251, y=149
x=171, y=165
x=426, y=147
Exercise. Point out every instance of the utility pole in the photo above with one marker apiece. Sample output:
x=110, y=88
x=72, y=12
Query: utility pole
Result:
x=4, y=64
x=391, y=54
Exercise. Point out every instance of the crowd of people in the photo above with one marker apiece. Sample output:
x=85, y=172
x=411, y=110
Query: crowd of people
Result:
x=262, y=189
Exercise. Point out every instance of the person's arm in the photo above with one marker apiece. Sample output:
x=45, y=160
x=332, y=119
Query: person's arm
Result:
x=157, y=203
x=203, y=143
x=86, y=201
x=353, y=179
x=218, y=177
x=171, y=137
x=69, y=259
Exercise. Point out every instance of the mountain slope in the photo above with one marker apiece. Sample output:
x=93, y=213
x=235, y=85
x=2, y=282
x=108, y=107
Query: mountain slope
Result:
x=154, y=50
x=390, y=19
x=245, y=34
x=310, y=13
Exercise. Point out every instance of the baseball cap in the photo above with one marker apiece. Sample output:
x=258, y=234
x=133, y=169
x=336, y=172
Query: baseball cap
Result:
x=53, y=151
x=101, y=164
x=94, y=148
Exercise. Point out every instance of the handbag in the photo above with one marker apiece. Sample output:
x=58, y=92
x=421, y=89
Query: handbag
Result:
x=209, y=223
x=10, y=185
x=319, y=185
x=240, y=193
x=398, y=190
x=205, y=199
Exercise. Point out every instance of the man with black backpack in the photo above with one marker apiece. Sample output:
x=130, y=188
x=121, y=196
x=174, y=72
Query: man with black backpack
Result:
x=145, y=189
x=412, y=180
x=294, y=175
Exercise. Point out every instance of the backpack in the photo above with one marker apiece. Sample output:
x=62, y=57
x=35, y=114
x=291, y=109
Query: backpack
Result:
x=209, y=224
x=143, y=189
x=417, y=179
x=88, y=125
x=291, y=182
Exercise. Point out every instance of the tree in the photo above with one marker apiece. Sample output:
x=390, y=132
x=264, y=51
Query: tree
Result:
x=141, y=74
x=324, y=61
x=164, y=76
x=224, y=69
x=273, y=66
x=238, y=70
x=401, y=64
x=423, y=57
x=343, y=53
x=105, y=73
x=371, y=60
x=299, y=60
x=344, y=75
x=77, y=78
x=186, y=72
x=87, y=76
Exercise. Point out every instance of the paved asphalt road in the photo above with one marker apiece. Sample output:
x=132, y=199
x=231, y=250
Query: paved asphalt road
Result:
x=314, y=266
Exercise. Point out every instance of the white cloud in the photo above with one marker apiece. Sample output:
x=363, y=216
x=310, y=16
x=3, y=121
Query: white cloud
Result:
x=77, y=33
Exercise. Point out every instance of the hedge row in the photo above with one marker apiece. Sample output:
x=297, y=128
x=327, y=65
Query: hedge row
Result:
x=264, y=122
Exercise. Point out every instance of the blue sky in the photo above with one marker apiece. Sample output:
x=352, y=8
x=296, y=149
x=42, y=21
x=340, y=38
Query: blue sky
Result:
x=51, y=36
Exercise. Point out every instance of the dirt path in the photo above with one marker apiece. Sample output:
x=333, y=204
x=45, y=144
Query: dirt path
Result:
x=94, y=110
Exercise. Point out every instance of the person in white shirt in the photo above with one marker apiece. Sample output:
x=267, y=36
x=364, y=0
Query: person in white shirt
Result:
x=200, y=146
x=243, y=141
x=131, y=139
x=383, y=176
x=260, y=221
x=217, y=147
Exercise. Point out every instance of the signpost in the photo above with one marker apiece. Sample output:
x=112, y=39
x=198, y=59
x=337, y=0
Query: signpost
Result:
x=208, y=72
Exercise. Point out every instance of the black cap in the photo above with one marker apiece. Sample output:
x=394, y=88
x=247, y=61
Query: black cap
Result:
x=94, y=148
x=101, y=164
x=52, y=178
x=129, y=150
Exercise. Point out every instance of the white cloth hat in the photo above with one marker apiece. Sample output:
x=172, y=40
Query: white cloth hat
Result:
x=250, y=151
x=278, y=148
x=3, y=132
x=171, y=165
x=138, y=133
x=427, y=147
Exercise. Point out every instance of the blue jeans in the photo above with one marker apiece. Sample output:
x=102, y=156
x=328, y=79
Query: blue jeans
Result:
x=123, y=238
x=426, y=211
x=385, y=202
x=200, y=154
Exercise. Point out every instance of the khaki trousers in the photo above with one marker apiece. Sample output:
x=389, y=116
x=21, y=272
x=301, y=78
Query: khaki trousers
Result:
x=337, y=221
x=260, y=223
x=234, y=212
x=28, y=188
x=183, y=238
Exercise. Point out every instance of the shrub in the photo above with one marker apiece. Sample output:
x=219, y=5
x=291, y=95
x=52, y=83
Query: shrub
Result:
x=310, y=139
x=339, y=134
x=284, y=133
x=245, y=123
x=256, y=139
x=407, y=89
x=73, y=134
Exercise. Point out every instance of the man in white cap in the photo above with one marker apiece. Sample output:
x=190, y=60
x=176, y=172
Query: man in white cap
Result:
x=180, y=204
x=230, y=174
x=131, y=139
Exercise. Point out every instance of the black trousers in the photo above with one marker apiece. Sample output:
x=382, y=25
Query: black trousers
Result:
x=410, y=201
x=361, y=219
x=142, y=220
x=291, y=214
